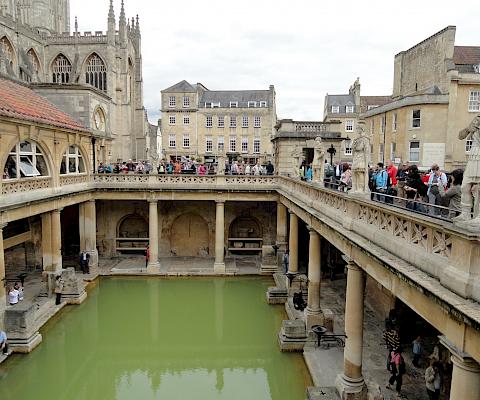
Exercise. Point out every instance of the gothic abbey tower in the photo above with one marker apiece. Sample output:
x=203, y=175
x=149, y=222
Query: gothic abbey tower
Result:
x=45, y=15
x=94, y=76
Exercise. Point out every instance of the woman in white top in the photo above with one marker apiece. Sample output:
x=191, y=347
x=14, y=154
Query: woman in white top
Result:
x=13, y=296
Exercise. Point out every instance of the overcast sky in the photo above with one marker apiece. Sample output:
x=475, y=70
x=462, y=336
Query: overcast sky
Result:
x=306, y=48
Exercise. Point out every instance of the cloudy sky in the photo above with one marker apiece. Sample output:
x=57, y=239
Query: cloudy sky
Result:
x=306, y=48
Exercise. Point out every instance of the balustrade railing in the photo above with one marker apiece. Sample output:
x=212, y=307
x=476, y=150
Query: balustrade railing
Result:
x=11, y=187
x=432, y=245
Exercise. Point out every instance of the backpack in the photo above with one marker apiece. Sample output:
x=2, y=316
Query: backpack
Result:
x=330, y=171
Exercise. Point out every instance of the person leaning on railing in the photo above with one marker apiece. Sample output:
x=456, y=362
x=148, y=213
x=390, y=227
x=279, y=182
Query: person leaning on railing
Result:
x=452, y=198
x=415, y=188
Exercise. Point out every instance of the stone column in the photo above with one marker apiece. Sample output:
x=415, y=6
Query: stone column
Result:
x=465, y=378
x=219, y=265
x=281, y=227
x=56, y=241
x=313, y=312
x=3, y=299
x=153, y=264
x=88, y=232
x=351, y=384
x=293, y=244
x=47, y=241
x=465, y=375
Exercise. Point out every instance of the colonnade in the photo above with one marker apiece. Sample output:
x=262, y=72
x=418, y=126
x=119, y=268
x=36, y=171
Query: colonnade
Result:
x=350, y=382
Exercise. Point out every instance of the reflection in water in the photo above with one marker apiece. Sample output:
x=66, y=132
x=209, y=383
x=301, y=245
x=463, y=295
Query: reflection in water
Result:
x=223, y=384
x=161, y=339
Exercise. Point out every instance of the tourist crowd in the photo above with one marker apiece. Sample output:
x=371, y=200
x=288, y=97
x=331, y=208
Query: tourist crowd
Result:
x=186, y=166
x=433, y=192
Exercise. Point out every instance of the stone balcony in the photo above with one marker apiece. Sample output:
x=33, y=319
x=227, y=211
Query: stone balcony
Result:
x=433, y=246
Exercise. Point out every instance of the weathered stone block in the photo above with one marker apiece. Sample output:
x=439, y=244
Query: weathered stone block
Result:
x=294, y=329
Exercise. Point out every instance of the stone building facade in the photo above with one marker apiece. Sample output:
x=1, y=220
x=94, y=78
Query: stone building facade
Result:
x=295, y=139
x=96, y=76
x=436, y=93
x=204, y=124
x=346, y=110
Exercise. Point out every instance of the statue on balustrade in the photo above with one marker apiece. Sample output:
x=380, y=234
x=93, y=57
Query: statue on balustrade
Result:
x=361, y=157
x=297, y=157
x=319, y=161
x=471, y=179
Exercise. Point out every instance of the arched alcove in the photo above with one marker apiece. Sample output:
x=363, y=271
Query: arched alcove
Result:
x=132, y=235
x=133, y=226
x=245, y=227
x=189, y=236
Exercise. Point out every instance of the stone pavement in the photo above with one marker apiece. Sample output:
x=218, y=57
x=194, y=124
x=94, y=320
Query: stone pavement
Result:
x=178, y=266
x=326, y=363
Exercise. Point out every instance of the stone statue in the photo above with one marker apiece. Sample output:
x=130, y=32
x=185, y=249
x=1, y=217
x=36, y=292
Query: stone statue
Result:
x=361, y=157
x=297, y=156
x=319, y=161
x=471, y=179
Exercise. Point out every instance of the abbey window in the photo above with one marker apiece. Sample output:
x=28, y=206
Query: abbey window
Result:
x=61, y=70
x=96, y=73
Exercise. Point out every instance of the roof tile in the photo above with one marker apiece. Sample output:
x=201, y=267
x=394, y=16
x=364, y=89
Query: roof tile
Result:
x=17, y=101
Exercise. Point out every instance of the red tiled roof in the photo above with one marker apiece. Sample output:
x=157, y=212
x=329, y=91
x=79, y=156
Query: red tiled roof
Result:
x=17, y=101
x=466, y=55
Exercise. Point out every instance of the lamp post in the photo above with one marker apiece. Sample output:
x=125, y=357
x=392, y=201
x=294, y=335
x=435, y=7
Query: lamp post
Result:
x=93, y=154
x=332, y=151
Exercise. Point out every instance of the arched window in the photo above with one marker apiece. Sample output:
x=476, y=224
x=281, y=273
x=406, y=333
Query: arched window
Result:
x=96, y=72
x=7, y=50
x=34, y=61
x=72, y=162
x=24, y=161
x=61, y=69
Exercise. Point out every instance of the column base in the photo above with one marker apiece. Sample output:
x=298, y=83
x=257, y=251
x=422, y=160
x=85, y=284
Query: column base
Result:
x=93, y=263
x=153, y=267
x=75, y=298
x=219, y=268
x=313, y=318
x=25, y=345
x=350, y=388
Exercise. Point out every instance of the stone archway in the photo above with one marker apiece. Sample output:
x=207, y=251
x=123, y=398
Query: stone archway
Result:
x=189, y=236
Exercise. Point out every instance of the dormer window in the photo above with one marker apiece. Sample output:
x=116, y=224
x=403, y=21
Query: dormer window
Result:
x=234, y=104
x=349, y=109
x=335, y=109
x=252, y=104
x=263, y=104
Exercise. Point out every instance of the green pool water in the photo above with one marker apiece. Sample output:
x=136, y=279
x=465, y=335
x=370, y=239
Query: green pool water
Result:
x=161, y=339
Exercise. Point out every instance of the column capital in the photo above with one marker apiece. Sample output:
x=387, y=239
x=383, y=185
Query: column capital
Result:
x=351, y=264
x=91, y=200
x=291, y=212
x=312, y=230
x=151, y=201
x=57, y=211
x=220, y=201
x=459, y=358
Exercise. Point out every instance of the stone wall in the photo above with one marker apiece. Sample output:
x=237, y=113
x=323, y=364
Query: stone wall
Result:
x=186, y=228
x=425, y=64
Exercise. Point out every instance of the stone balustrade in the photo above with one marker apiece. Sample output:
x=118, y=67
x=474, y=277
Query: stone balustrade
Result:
x=434, y=246
x=11, y=187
